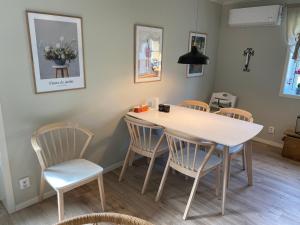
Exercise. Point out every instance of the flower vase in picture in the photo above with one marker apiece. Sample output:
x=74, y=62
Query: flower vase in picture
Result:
x=62, y=52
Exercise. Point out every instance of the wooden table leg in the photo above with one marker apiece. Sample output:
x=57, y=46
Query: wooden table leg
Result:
x=249, y=162
x=225, y=176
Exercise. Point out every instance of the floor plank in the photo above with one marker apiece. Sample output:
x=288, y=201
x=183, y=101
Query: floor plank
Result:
x=274, y=199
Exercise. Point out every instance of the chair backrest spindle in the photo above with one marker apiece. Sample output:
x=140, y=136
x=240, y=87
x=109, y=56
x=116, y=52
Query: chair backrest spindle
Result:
x=59, y=142
x=185, y=151
x=236, y=113
x=141, y=133
x=197, y=105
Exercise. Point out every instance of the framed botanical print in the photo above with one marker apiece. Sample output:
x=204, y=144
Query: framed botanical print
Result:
x=199, y=40
x=57, y=51
x=148, y=53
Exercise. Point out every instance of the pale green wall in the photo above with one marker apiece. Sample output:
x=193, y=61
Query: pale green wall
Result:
x=258, y=90
x=108, y=44
x=1, y=185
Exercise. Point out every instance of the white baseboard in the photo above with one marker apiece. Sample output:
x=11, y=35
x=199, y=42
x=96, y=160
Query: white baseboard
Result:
x=34, y=200
x=268, y=142
x=51, y=193
x=113, y=167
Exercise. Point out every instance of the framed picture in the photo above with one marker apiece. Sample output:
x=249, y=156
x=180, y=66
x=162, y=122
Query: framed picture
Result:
x=198, y=39
x=57, y=51
x=148, y=53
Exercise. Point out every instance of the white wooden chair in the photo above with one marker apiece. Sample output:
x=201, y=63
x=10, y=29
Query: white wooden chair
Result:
x=145, y=140
x=191, y=157
x=239, y=114
x=60, y=148
x=194, y=104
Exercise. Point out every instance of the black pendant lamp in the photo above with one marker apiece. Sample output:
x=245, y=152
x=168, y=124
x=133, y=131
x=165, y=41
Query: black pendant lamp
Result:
x=194, y=57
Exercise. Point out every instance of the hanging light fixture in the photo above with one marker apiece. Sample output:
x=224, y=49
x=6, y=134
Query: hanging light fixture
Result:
x=194, y=56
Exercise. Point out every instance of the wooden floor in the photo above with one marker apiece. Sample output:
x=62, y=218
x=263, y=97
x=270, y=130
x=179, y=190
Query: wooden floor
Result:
x=274, y=199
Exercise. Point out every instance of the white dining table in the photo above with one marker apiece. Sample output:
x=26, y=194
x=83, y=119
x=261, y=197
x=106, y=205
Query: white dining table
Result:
x=208, y=126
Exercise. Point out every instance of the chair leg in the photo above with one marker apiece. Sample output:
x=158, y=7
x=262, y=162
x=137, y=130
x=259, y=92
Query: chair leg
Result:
x=163, y=181
x=125, y=163
x=192, y=195
x=60, y=203
x=42, y=187
x=101, y=191
x=131, y=158
x=148, y=160
x=244, y=158
x=218, y=182
x=148, y=174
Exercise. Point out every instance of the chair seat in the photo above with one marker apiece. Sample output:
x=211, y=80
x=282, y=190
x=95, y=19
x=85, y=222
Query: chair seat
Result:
x=71, y=172
x=232, y=150
x=211, y=163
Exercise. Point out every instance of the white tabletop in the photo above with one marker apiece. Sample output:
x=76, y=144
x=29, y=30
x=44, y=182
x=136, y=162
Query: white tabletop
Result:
x=209, y=126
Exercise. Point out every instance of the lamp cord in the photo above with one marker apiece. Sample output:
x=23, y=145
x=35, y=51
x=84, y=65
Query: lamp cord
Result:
x=197, y=14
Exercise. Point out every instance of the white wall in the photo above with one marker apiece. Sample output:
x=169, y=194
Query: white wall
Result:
x=6, y=191
x=108, y=46
x=1, y=185
x=258, y=90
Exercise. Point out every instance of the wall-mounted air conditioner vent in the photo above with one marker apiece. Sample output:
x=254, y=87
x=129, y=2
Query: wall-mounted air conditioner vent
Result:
x=256, y=16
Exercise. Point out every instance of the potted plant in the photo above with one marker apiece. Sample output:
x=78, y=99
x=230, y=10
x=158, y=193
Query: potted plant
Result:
x=61, y=53
x=298, y=89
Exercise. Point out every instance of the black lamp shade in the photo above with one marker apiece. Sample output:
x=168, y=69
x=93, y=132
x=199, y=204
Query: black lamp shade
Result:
x=194, y=57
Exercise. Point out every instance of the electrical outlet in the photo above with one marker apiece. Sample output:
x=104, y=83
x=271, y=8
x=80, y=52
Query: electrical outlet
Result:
x=271, y=130
x=24, y=183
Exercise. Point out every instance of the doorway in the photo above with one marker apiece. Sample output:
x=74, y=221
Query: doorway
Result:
x=6, y=191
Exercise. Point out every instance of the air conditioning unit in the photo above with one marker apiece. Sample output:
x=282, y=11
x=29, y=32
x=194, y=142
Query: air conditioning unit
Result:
x=256, y=16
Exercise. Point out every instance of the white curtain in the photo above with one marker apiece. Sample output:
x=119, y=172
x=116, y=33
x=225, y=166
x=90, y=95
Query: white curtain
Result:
x=293, y=29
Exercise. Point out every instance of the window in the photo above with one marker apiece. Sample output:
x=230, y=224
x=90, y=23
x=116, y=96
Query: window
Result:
x=291, y=79
x=292, y=75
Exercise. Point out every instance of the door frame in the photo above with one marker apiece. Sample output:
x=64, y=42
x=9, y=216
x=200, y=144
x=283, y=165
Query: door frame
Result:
x=9, y=199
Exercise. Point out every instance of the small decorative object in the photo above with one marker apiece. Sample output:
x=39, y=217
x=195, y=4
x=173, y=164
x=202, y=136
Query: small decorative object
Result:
x=141, y=108
x=148, y=53
x=161, y=107
x=248, y=53
x=145, y=108
x=167, y=108
x=196, y=58
x=153, y=103
x=297, y=128
x=164, y=108
x=298, y=89
x=137, y=109
x=57, y=51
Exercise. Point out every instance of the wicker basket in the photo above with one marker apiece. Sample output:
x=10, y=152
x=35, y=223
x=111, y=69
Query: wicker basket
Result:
x=99, y=218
